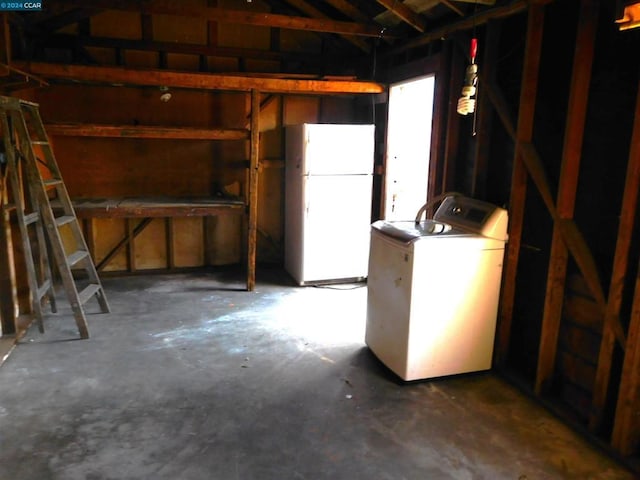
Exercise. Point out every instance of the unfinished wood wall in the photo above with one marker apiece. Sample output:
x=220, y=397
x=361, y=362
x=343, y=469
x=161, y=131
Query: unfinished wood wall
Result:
x=129, y=167
x=560, y=123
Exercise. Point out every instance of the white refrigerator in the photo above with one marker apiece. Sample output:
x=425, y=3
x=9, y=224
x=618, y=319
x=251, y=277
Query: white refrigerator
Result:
x=328, y=185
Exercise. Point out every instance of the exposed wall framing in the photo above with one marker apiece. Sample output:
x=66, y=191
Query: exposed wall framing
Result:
x=569, y=242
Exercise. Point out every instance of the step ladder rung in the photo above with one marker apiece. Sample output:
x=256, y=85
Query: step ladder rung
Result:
x=43, y=289
x=39, y=142
x=60, y=221
x=8, y=207
x=31, y=218
x=52, y=182
x=88, y=292
x=28, y=104
x=77, y=256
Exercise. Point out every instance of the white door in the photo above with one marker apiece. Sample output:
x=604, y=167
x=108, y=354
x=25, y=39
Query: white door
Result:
x=408, y=147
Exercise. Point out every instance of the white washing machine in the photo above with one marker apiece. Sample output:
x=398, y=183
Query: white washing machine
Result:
x=433, y=289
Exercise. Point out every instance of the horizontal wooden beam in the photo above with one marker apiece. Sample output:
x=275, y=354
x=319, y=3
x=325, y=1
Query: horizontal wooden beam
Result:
x=240, y=17
x=144, y=131
x=202, y=81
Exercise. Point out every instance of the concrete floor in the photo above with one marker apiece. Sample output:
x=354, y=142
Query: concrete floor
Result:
x=192, y=378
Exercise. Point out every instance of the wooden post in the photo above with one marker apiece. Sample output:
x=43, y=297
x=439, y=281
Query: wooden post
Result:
x=524, y=134
x=628, y=397
x=8, y=292
x=252, y=228
x=567, y=189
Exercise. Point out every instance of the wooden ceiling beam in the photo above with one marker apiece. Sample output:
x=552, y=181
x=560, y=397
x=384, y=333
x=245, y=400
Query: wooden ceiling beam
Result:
x=405, y=13
x=242, y=17
x=202, y=81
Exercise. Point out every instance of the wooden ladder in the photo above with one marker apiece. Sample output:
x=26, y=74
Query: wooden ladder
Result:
x=51, y=212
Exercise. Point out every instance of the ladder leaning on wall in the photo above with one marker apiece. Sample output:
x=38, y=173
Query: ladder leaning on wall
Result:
x=42, y=204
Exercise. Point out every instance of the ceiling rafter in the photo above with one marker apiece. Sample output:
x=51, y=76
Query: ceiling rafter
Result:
x=405, y=13
x=466, y=23
x=313, y=12
x=349, y=10
x=451, y=6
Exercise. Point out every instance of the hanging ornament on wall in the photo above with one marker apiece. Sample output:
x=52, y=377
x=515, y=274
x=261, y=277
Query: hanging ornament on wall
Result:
x=466, y=103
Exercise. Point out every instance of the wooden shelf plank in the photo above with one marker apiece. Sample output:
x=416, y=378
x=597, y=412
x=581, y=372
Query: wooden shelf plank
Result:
x=145, y=131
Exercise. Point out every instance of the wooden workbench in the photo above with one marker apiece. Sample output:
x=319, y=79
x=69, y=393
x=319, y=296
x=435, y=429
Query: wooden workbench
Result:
x=148, y=208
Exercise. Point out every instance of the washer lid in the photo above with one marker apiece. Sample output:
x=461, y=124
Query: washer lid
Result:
x=407, y=231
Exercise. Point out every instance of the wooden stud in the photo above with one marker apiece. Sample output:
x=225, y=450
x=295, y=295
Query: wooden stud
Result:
x=252, y=229
x=571, y=234
x=146, y=25
x=130, y=243
x=623, y=435
x=90, y=237
x=6, y=35
x=440, y=103
x=567, y=189
x=169, y=237
x=452, y=131
x=524, y=133
x=125, y=242
x=485, y=112
x=626, y=428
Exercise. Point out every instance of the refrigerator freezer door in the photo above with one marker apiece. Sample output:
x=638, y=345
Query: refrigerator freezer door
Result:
x=336, y=227
x=332, y=149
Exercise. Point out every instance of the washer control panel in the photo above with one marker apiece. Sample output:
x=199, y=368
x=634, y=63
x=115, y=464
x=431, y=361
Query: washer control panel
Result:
x=473, y=215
